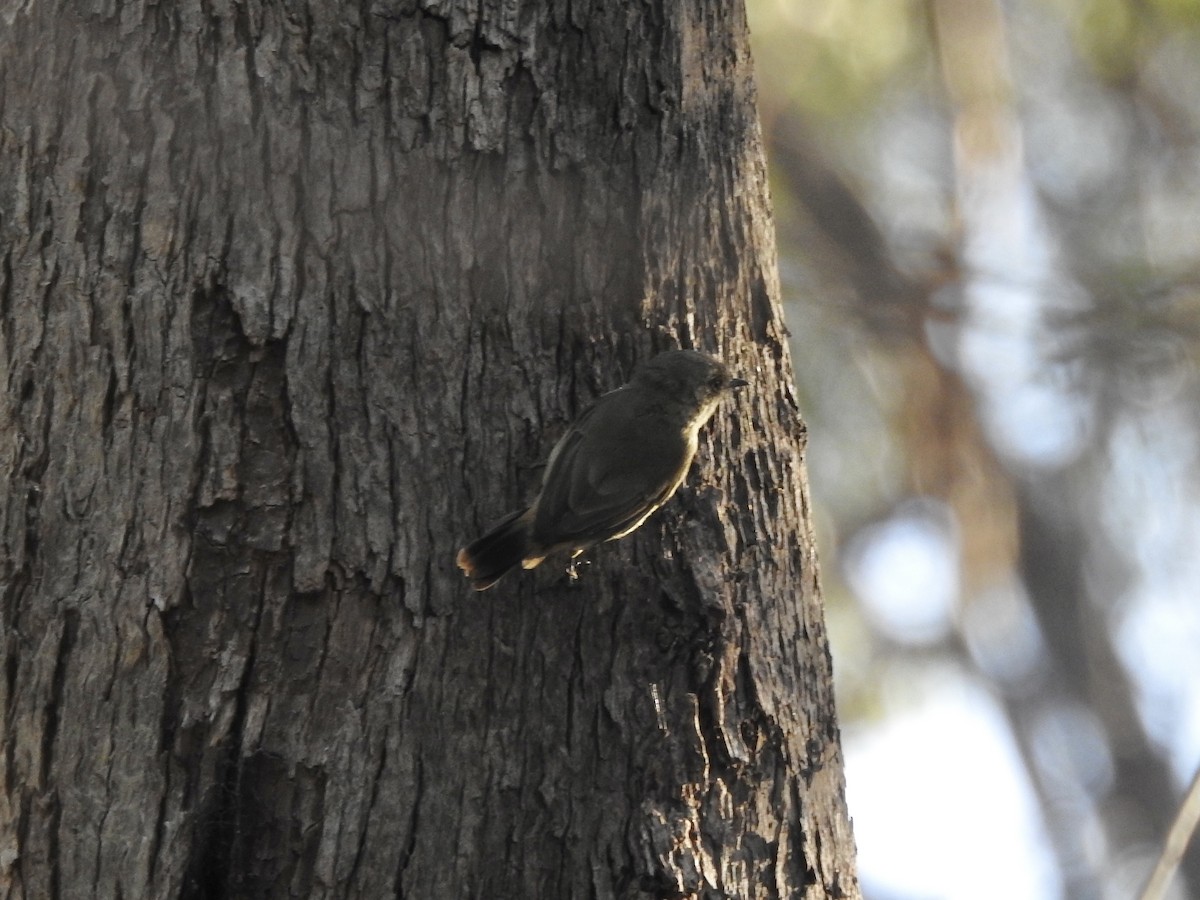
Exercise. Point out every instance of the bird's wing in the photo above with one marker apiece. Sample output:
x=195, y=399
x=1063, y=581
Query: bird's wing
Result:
x=616, y=464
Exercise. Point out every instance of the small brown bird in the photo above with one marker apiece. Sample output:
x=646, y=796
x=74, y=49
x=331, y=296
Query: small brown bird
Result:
x=619, y=461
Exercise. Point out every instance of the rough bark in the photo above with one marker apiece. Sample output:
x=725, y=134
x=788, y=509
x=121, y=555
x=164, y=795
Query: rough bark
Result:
x=293, y=298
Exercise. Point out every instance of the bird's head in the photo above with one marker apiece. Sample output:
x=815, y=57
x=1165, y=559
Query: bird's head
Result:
x=695, y=380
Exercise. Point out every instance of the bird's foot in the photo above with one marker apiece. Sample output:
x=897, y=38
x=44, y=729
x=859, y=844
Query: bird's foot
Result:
x=573, y=568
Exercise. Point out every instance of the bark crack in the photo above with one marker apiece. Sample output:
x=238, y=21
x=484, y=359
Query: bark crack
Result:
x=53, y=705
x=414, y=827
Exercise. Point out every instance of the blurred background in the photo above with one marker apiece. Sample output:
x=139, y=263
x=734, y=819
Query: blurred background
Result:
x=989, y=227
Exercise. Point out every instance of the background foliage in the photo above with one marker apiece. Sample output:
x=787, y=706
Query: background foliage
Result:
x=989, y=225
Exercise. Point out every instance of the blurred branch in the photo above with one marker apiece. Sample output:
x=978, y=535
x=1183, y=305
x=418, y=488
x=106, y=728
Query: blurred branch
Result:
x=841, y=240
x=1178, y=838
x=1051, y=547
x=1056, y=575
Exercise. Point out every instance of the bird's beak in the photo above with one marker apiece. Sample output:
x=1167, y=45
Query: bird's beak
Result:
x=735, y=383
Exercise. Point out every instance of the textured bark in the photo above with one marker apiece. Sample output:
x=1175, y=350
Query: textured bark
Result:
x=293, y=298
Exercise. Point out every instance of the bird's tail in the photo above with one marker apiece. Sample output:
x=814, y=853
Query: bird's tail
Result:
x=487, y=559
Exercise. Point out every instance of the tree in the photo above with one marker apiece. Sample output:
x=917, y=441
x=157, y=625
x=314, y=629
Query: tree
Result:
x=293, y=299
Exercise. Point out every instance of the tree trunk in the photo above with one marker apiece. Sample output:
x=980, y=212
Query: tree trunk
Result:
x=293, y=299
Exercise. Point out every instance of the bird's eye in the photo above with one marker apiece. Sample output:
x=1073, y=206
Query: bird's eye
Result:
x=716, y=381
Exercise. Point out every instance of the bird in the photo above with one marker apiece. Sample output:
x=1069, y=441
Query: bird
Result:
x=619, y=461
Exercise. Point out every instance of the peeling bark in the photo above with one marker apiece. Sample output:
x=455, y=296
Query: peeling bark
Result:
x=293, y=299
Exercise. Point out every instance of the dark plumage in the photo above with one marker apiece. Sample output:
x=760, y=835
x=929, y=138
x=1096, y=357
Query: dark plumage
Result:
x=618, y=462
